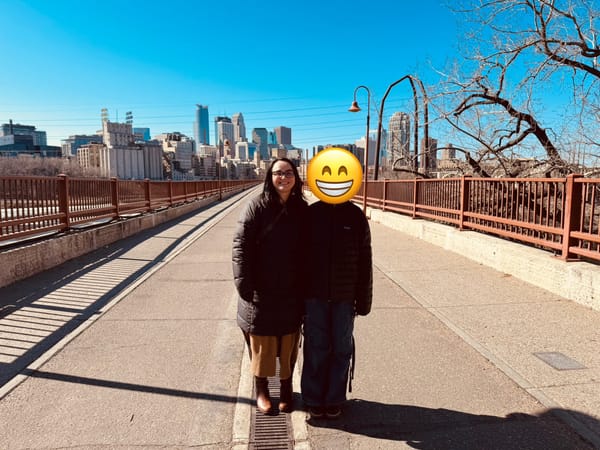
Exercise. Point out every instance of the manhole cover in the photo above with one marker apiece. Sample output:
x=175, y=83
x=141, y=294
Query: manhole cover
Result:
x=559, y=361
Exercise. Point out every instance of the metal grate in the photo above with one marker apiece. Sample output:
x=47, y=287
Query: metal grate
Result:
x=271, y=432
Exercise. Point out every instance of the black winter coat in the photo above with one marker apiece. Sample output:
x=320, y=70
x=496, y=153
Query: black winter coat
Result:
x=268, y=257
x=340, y=259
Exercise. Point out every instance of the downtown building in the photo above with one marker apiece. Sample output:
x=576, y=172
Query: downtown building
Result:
x=239, y=128
x=141, y=133
x=224, y=135
x=75, y=142
x=228, y=157
x=204, y=159
x=428, y=160
x=399, y=140
x=201, y=131
x=178, y=151
x=260, y=137
x=18, y=139
x=120, y=156
x=205, y=162
x=283, y=135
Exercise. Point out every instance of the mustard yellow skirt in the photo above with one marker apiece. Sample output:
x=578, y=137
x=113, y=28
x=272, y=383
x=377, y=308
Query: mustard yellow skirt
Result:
x=264, y=351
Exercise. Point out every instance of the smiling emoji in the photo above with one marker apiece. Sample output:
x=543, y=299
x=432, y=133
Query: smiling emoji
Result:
x=334, y=175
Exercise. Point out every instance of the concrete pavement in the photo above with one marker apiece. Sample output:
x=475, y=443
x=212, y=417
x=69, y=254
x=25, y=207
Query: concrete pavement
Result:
x=136, y=346
x=446, y=359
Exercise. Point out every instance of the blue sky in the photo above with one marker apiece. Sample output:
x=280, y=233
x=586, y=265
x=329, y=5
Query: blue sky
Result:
x=293, y=63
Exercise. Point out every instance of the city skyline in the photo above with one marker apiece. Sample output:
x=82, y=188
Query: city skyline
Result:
x=69, y=69
x=235, y=132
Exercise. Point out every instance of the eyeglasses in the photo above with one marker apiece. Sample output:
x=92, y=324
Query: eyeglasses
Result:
x=286, y=174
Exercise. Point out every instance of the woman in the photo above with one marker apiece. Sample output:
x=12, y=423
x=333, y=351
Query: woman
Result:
x=268, y=260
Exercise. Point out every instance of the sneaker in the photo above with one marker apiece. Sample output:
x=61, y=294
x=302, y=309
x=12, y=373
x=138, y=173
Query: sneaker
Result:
x=316, y=412
x=333, y=412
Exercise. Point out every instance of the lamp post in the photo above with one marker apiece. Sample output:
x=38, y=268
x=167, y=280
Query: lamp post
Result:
x=356, y=108
x=425, y=120
x=306, y=165
x=412, y=80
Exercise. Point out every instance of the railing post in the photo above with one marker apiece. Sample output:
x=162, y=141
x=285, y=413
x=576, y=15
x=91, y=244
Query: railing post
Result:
x=220, y=187
x=385, y=186
x=114, y=190
x=63, y=200
x=147, y=194
x=415, y=196
x=170, y=192
x=572, y=212
x=465, y=192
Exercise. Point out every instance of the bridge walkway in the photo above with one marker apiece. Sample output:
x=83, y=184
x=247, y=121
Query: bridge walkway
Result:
x=136, y=346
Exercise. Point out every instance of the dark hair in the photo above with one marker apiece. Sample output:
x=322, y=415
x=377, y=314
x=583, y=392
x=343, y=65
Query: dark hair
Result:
x=270, y=194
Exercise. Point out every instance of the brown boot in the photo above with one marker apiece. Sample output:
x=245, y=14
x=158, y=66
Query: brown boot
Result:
x=263, y=401
x=286, y=399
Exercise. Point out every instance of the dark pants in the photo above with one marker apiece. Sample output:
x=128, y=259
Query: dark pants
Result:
x=328, y=329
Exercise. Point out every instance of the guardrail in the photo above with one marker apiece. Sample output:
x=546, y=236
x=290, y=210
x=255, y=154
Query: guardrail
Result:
x=32, y=206
x=557, y=214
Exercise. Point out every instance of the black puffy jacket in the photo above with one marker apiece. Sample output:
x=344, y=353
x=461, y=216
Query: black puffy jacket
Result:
x=268, y=257
x=340, y=259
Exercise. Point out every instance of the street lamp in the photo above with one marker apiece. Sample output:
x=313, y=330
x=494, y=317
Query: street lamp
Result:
x=412, y=80
x=356, y=108
x=306, y=166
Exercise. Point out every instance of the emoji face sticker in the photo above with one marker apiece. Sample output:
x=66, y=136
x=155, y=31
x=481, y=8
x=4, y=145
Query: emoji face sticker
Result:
x=334, y=175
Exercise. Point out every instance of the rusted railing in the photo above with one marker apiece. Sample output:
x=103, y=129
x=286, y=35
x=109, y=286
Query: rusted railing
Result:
x=557, y=214
x=31, y=206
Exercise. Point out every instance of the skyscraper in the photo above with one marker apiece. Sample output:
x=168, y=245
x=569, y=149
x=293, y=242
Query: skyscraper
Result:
x=201, y=131
x=383, y=146
x=260, y=136
x=239, y=128
x=272, y=138
x=284, y=135
x=428, y=161
x=399, y=139
x=224, y=134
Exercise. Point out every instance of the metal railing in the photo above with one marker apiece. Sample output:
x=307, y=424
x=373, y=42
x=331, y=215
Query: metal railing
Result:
x=32, y=206
x=557, y=214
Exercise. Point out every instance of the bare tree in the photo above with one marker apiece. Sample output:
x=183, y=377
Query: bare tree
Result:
x=521, y=53
x=47, y=167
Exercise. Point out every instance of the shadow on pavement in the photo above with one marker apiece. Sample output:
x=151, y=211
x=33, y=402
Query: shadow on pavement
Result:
x=111, y=384
x=22, y=341
x=428, y=428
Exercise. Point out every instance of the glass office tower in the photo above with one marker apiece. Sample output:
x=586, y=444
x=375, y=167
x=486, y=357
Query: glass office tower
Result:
x=201, y=132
